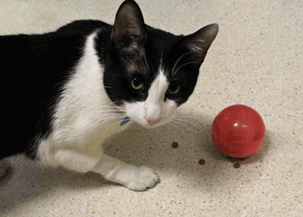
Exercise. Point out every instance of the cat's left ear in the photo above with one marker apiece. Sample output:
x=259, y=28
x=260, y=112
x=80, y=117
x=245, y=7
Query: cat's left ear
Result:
x=129, y=28
x=199, y=42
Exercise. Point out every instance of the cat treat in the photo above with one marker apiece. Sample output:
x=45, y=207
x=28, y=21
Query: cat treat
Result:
x=237, y=165
x=175, y=145
x=202, y=161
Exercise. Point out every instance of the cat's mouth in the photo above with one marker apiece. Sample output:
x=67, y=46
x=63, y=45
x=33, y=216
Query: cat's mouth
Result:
x=146, y=123
x=152, y=125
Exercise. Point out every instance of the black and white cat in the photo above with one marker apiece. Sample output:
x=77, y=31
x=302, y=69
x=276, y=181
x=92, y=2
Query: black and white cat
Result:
x=63, y=93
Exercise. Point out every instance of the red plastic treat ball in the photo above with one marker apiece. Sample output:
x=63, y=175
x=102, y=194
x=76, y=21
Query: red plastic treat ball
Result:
x=238, y=131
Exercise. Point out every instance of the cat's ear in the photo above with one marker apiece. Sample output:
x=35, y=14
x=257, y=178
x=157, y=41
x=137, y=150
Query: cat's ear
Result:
x=129, y=28
x=199, y=42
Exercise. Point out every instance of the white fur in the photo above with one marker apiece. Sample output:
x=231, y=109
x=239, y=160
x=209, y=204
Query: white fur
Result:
x=84, y=118
x=154, y=107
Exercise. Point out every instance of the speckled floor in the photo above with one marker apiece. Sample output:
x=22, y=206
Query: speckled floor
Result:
x=255, y=60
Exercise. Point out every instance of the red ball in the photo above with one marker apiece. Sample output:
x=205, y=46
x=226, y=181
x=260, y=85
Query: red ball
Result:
x=238, y=131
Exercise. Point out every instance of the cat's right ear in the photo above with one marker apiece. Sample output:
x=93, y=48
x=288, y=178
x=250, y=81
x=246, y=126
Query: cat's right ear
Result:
x=129, y=28
x=199, y=42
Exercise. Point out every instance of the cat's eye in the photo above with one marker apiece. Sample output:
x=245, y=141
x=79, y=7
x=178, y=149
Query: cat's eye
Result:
x=137, y=84
x=174, y=89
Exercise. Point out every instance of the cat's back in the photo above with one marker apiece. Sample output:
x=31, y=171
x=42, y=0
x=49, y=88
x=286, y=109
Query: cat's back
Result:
x=32, y=64
x=44, y=57
x=65, y=42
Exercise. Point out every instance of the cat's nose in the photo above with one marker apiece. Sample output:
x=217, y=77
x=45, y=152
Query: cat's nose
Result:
x=152, y=122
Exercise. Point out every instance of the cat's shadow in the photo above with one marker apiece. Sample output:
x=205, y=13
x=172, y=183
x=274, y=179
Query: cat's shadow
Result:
x=137, y=146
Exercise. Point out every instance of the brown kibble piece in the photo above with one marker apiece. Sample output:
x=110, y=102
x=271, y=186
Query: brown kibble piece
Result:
x=202, y=161
x=175, y=145
x=237, y=165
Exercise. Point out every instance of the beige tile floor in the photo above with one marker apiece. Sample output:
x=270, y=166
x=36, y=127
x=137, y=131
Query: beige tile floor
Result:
x=255, y=60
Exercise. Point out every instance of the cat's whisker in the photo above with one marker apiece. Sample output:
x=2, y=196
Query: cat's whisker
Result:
x=113, y=112
x=114, y=123
x=206, y=135
x=145, y=61
x=109, y=119
x=184, y=122
x=109, y=108
x=193, y=123
x=175, y=125
x=112, y=109
x=172, y=71
x=136, y=119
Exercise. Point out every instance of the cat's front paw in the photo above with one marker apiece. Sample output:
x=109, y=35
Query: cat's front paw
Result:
x=134, y=178
x=142, y=178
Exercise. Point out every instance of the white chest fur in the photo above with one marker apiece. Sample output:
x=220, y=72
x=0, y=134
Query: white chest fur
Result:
x=84, y=117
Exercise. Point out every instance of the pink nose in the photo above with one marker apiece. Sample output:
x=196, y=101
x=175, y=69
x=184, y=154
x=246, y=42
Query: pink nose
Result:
x=151, y=122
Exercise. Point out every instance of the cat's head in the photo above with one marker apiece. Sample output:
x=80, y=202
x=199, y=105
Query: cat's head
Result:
x=149, y=72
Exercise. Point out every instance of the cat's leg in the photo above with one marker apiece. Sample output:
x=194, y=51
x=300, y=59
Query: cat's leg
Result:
x=134, y=178
x=90, y=158
x=80, y=158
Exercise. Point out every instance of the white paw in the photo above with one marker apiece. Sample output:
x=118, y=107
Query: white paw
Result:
x=142, y=178
x=134, y=178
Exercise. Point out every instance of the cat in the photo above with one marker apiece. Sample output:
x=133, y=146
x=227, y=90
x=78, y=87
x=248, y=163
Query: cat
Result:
x=64, y=92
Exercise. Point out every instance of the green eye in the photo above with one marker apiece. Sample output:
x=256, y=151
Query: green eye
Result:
x=137, y=84
x=174, y=89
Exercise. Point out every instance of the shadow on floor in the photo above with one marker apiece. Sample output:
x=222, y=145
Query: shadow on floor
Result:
x=137, y=146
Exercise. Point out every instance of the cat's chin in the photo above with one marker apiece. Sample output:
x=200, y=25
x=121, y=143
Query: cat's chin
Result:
x=147, y=126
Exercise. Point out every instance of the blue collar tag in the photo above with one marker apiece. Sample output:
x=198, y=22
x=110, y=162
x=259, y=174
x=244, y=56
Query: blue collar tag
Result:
x=125, y=120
